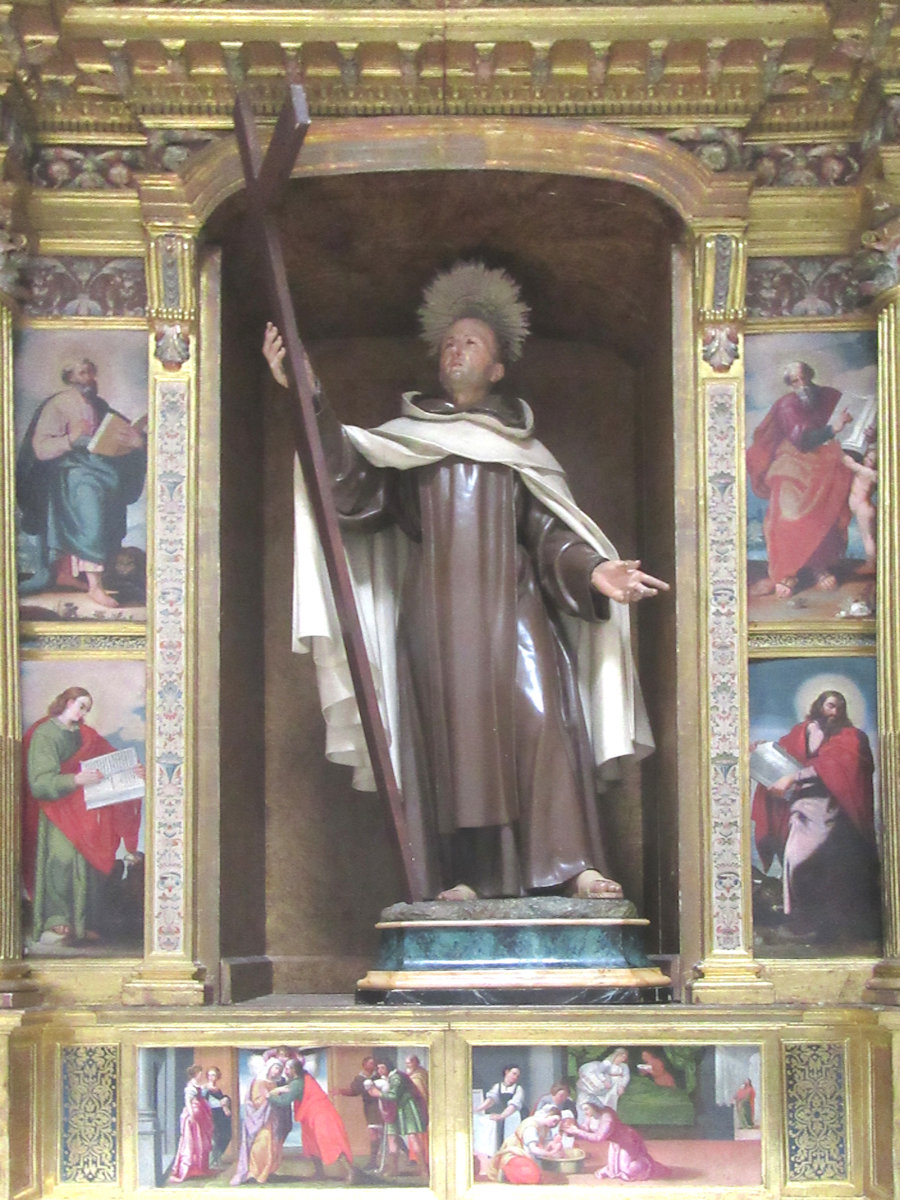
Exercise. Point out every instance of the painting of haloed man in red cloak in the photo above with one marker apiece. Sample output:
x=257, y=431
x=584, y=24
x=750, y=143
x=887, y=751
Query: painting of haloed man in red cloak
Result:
x=816, y=886
x=812, y=475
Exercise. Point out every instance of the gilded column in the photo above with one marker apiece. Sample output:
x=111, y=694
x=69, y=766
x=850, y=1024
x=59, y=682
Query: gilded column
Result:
x=16, y=990
x=169, y=973
x=883, y=248
x=727, y=973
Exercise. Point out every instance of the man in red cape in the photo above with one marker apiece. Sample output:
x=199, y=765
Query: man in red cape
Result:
x=819, y=821
x=67, y=848
x=323, y=1133
x=796, y=463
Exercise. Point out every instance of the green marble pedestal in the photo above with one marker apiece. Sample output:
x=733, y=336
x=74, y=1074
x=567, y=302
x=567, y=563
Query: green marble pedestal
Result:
x=535, y=950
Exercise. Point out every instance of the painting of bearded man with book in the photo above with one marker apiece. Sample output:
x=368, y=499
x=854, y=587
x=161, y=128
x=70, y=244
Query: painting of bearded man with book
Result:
x=79, y=467
x=814, y=809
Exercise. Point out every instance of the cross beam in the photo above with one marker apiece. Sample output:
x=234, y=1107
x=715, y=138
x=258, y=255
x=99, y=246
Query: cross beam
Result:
x=266, y=182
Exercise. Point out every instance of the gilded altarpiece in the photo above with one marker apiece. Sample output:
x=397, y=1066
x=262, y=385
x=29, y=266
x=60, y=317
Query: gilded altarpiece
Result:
x=150, y=257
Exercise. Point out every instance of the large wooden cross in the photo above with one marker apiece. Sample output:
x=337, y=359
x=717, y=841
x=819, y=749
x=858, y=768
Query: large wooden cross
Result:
x=266, y=180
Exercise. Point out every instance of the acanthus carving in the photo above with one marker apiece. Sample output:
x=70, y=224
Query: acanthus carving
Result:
x=13, y=245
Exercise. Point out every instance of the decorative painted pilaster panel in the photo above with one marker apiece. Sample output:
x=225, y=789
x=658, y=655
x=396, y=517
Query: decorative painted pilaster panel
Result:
x=882, y=260
x=171, y=637
x=169, y=973
x=89, y=1114
x=728, y=973
x=815, y=1108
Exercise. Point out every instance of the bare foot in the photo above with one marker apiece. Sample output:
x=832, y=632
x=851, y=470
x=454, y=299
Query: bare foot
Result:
x=786, y=587
x=763, y=587
x=66, y=580
x=825, y=581
x=102, y=597
x=865, y=570
x=591, y=885
x=461, y=891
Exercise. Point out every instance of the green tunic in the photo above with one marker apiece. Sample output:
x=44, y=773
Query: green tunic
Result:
x=404, y=1111
x=66, y=886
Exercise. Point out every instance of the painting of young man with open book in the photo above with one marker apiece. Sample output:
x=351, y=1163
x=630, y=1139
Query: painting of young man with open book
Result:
x=83, y=787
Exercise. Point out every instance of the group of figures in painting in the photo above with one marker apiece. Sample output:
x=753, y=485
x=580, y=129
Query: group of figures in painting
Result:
x=812, y=474
x=553, y=1114
x=283, y=1115
x=626, y=1113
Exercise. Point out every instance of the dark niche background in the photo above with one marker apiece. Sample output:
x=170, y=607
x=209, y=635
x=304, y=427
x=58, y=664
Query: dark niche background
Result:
x=306, y=863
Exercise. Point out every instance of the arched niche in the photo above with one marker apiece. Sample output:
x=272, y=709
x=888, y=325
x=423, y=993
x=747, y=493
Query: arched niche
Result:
x=596, y=224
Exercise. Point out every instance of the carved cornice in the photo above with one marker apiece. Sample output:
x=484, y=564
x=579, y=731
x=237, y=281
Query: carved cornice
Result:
x=780, y=70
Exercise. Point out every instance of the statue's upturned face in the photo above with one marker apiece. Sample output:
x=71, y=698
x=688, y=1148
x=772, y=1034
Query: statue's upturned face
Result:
x=469, y=362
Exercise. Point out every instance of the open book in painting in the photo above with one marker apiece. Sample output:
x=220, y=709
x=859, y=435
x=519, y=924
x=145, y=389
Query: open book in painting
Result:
x=770, y=762
x=120, y=780
x=108, y=439
x=856, y=437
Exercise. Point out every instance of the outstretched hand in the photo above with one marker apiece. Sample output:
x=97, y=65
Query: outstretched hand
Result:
x=274, y=351
x=622, y=579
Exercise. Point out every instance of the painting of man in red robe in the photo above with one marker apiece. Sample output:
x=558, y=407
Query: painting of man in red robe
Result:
x=795, y=462
x=818, y=819
x=812, y=476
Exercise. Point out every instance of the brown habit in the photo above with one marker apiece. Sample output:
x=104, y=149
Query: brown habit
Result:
x=495, y=762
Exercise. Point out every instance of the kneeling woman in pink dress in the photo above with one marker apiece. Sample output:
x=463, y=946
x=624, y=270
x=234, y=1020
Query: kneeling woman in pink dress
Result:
x=627, y=1155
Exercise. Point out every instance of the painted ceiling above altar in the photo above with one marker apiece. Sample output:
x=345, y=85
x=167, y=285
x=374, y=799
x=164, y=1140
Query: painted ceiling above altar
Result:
x=720, y=77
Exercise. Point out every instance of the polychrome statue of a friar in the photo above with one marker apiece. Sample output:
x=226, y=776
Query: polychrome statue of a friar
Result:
x=495, y=614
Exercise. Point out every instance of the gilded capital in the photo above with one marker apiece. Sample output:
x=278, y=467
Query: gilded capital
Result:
x=172, y=293
x=720, y=267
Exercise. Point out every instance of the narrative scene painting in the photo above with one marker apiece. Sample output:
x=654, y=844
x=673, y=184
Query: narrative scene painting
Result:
x=328, y=1116
x=80, y=399
x=602, y=1115
x=816, y=888
x=812, y=475
x=83, y=786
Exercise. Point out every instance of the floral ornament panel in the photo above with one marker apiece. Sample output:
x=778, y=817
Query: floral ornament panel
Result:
x=90, y=1114
x=814, y=1077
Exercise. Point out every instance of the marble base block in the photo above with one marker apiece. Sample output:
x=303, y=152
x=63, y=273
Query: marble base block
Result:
x=535, y=950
